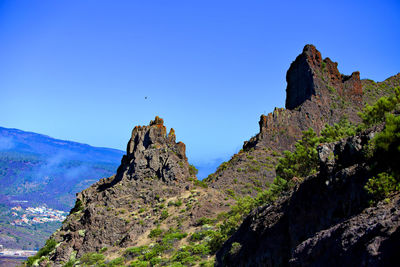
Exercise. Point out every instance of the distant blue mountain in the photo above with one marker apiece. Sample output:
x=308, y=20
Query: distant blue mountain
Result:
x=42, y=169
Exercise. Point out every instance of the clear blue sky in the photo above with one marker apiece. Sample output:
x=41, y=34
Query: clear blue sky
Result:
x=80, y=70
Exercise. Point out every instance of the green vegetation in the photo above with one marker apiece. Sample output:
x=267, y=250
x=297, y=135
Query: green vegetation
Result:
x=92, y=258
x=44, y=251
x=176, y=203
x=201, y=183
x=235, y=248
x=376, y=113
x=78, y=207
x=385, y=146
x=164, y=215
x=192, y=170
x=116, y=262
x=338, y=131
x=382, y=185
x=204, y=221
x=155, y=232
x=303, y=161
x=166, y=242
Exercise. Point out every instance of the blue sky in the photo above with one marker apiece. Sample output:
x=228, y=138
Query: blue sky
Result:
x=80, y=70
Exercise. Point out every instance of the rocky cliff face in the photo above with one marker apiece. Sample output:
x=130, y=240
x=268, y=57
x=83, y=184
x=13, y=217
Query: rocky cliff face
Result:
x=121, y=210
x=317, y=94
x=324, y=221
x=309, y=77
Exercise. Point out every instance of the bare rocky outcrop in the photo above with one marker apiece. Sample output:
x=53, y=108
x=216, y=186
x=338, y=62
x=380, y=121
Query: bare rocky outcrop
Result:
x=117, y=211
x=152, y=153
x=324, y=221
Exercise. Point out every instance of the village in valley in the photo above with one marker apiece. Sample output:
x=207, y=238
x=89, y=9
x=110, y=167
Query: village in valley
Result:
x=34, y=215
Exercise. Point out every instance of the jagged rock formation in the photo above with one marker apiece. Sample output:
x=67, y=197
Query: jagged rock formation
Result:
x=323, y=221
x=317, y=94
x=121, y=210
x=153, y=153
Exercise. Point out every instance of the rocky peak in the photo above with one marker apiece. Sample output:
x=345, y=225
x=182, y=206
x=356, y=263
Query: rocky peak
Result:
x=310, y=75
x=151, y=152
x=316, y=94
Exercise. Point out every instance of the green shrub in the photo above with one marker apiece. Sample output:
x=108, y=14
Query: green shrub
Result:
x=44, y=251
x=387, y=143
x=139, y=263
x=92, y=258
x=155, y=232
x=134, y=251
x=235, y=248
x=116, y=262
x=223, y=166
x=230, y=192
x=376, y=113
x=204, y=220
x=209, y=263
x=200, y=249
x=164, y=215
x=172, y=235
x=303, y=161
x=193, y=170
x=78, y=206
x=201, y=183
x=70, y=263
x=382, y=185
x=185, y=257
x=338, y=131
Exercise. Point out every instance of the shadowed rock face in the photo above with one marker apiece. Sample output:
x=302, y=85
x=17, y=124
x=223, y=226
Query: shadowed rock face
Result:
x=324, y=221
x=309, y=76
x=299, y=78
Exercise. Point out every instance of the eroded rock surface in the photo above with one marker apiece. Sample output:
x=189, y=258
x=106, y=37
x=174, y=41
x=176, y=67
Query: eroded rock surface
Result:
x=120, y=211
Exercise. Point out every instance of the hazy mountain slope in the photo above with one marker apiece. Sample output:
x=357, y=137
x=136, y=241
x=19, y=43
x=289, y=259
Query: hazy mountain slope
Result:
x=39, y=168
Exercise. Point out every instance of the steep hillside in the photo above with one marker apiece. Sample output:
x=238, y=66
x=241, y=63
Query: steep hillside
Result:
x=325, y=220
